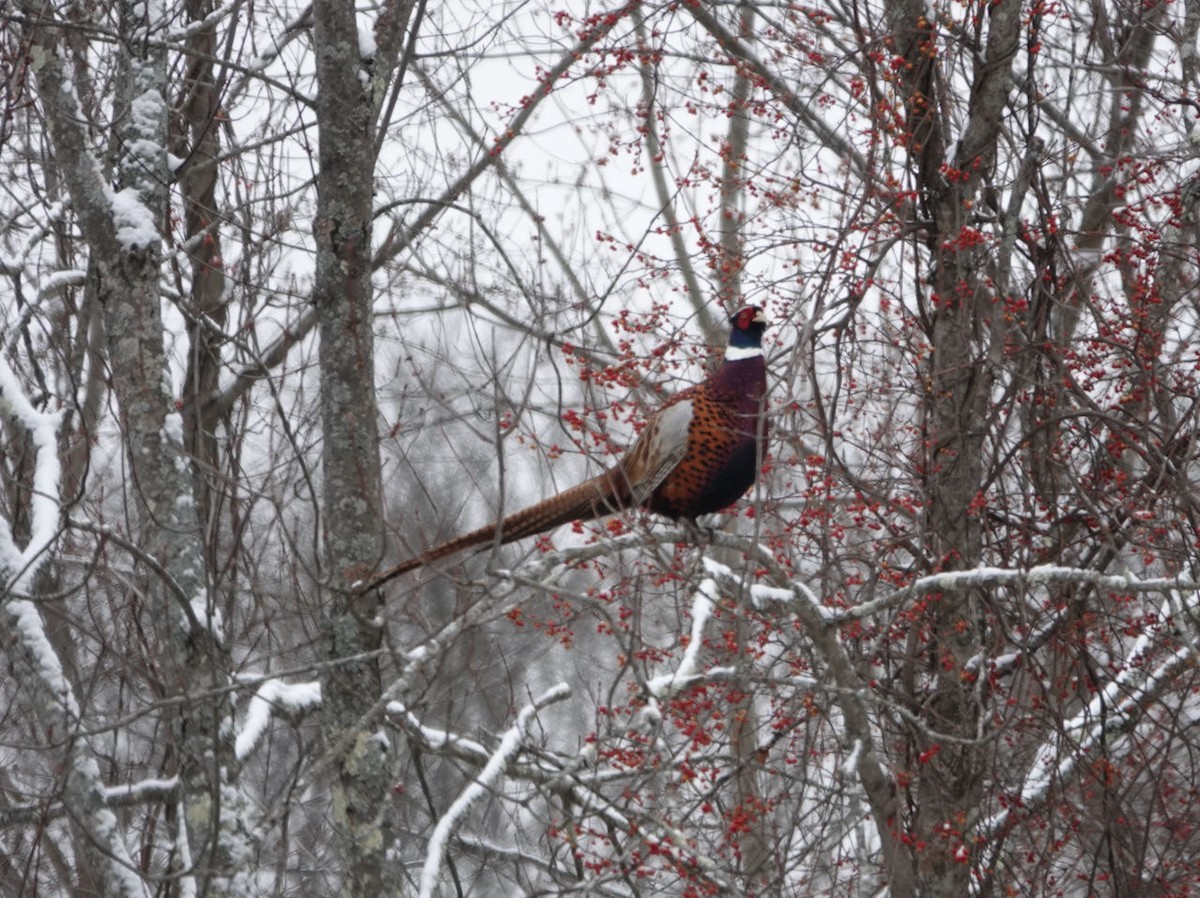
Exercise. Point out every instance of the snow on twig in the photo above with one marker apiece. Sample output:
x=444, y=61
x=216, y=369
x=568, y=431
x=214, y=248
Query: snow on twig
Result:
x=83, y=792
x=704, y=601
x=509, y=746
x=565, y=774
x=19, y=566
x=1113, y=709
x=146, y=791
x=210, y=21
x=802, y=598
x=48, y=285
x=23, y=565
x=983, y=576
x=272, y=695
x=433, y=737
x=497, y=602
x=764, y=595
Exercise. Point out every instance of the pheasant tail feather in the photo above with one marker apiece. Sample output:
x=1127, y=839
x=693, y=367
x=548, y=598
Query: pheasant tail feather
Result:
x=595, y=498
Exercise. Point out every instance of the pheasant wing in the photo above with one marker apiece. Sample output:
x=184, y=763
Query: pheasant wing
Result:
x=661, y=446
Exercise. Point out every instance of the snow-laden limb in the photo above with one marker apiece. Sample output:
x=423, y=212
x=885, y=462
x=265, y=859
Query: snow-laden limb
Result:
x=84, y=792
x=21, y=617
x=19, y=566
x=250, y=374
x=1116, y=708
x=849, y=691
x=147, y=791
x=134, y=224
x=957, y=581
x=51, y=218
x=704, y=601
x=716, y=569
x=575, y=777
x=984, y=576
x=491, y=774
x=850, y=764
x=152, y=789
x=1057, y=763
x=435, y=738
x=273, y=696
x=57, y=281
x=183, y=847
x=236, y=842
x=37, y=663
x=196, y=26
x=762, y=594
x=540, y=574
x=83, y=795
x=495, y=603
x=1113, y=709
x=47, y=286
x=368, y=49
x=1185, y=608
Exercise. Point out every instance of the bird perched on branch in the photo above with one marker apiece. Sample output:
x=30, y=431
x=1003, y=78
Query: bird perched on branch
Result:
x=699, y=453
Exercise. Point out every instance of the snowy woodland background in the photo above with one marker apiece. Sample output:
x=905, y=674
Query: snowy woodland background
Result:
x=289, y=292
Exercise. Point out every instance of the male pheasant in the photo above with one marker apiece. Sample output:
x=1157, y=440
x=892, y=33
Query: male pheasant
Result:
x=699, y=453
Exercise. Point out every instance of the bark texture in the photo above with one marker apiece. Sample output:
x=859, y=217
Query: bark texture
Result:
x=950, y=179
x=122, y=226
x=346, y=109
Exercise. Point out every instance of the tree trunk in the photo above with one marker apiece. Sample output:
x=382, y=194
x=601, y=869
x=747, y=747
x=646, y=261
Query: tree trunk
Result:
x=945, y=763
x=353, y=523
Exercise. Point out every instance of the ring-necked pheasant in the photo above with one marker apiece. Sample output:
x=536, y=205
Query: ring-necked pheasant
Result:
x=699, y=453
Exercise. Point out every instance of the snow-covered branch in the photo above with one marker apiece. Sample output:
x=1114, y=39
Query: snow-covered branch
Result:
x=491, y=774
x=1041, y=575
x=796, y=592
x=1114, y=709
x=273, y=696
x=850, y=685
x=19, y=566
x=574, y=777
x=704, y=601
x=38, y=665
x=126, y=795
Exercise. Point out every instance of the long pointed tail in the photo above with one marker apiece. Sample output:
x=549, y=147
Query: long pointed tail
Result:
x=595, y=498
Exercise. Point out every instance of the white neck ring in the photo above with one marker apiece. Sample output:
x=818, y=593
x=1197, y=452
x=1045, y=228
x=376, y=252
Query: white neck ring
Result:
x=737, y=353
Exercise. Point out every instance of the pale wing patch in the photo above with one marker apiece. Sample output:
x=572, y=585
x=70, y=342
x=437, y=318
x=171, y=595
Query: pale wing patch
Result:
x=658, y=450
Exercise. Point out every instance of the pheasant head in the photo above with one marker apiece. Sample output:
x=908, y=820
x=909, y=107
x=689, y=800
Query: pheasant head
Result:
x=749, y=323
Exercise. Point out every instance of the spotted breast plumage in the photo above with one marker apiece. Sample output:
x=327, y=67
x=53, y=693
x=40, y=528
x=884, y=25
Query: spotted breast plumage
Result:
x=698, y=454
